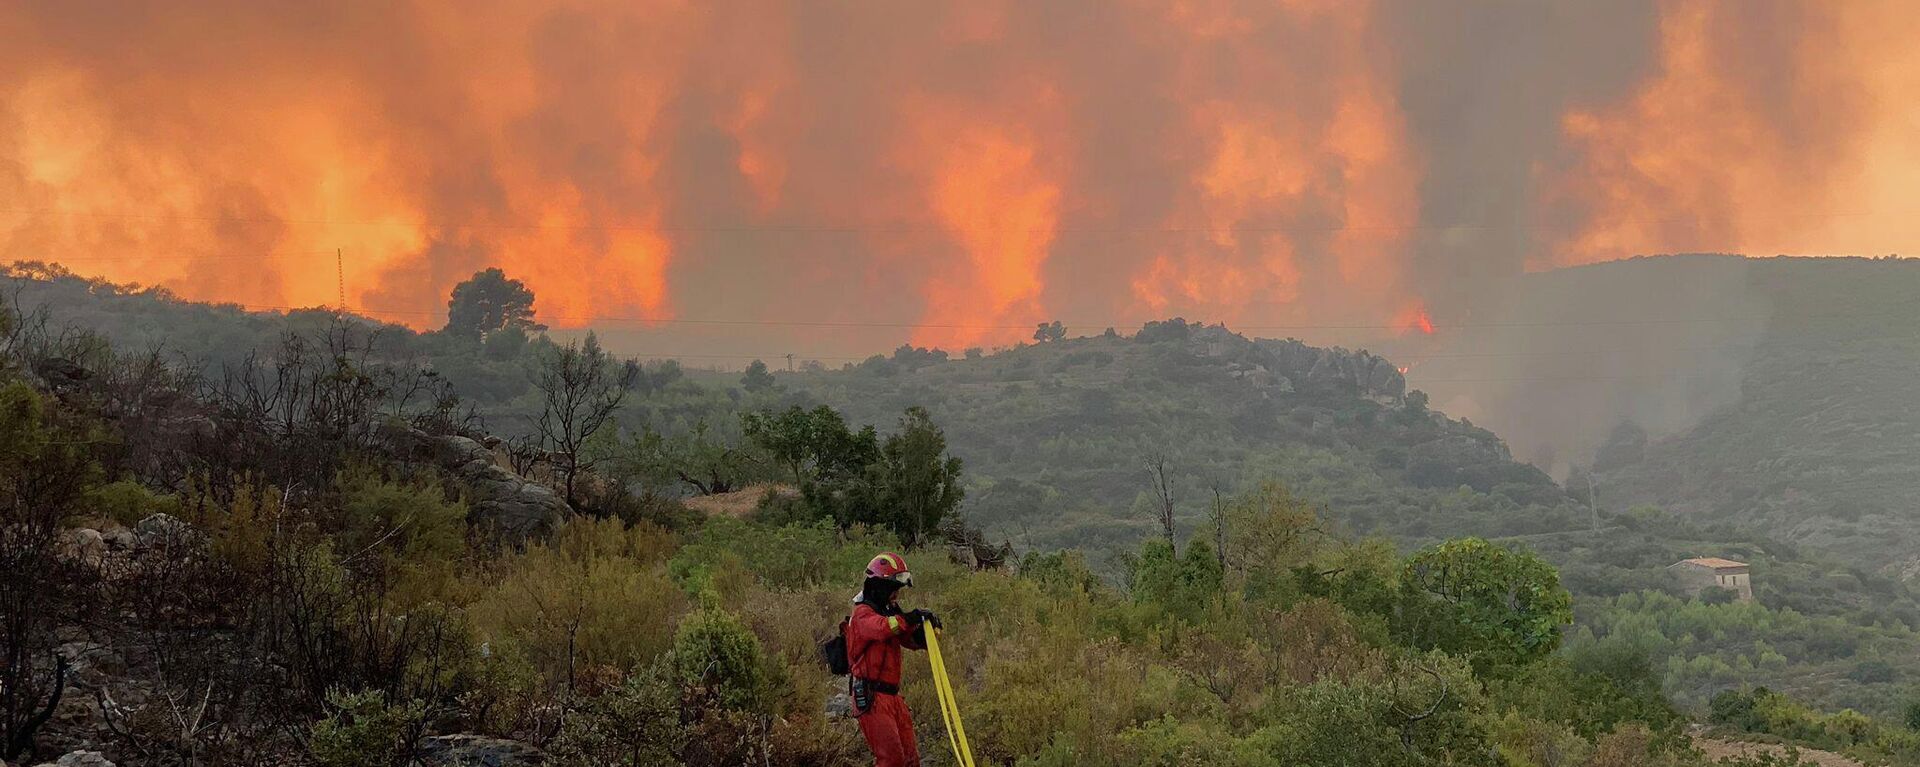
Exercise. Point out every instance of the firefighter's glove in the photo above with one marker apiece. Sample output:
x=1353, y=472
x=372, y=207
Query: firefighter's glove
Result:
x=927, y=617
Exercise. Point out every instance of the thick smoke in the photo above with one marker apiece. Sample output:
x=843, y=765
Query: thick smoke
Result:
x=968, y=169
x=948, y=174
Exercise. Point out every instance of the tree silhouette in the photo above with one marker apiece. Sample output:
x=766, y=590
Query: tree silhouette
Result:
x=1050, y=331
x=757, y=378
x=489, y=302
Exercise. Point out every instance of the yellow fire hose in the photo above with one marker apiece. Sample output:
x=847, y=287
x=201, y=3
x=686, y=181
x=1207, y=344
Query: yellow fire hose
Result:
x=949, y=707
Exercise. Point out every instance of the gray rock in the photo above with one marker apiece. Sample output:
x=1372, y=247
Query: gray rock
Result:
x=497, y=498
x=456, y=450
x=83, y=759
x=1386, y=380
x=163, y=529
x=120, y=539
x=85, y=545
x=478, y=751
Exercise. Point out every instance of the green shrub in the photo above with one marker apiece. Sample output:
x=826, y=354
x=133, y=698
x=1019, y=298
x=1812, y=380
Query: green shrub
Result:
x=127, y=502
x=595, y=597
x=716, y=656
x=362, y=730
x=636, y=724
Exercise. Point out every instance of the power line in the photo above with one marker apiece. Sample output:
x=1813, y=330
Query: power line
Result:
x=721, y=228
x=192, y=257
x=1398, y=326
x=1031, y=325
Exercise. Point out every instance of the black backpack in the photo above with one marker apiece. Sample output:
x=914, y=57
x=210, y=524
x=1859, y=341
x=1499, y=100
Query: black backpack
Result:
x=833, y=652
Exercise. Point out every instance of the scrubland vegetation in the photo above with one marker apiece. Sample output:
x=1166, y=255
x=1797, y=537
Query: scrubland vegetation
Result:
x=257, y=562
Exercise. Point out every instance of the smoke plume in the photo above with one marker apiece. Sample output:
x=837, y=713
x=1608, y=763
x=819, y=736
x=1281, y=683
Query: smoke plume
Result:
x=737, y=178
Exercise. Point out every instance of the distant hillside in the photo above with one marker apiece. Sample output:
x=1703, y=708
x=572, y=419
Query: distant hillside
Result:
x=1821, y=442
x=1058, y=435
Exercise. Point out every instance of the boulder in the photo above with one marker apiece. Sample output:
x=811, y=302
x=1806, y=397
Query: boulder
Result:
x=496, y=497
x=84, y=545
x=1386, y=380
x=838, y=705
x=162, y=529
x=455, y=450
x=477, y=751
x=61, y=374
x=120, y=539
x=81, y=759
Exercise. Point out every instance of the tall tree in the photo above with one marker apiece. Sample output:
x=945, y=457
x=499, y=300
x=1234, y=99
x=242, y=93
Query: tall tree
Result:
x=1496, y=606
x=812, y=444
x=757, y=377
x=580, y=391
x=918, y=483
x=489, y=302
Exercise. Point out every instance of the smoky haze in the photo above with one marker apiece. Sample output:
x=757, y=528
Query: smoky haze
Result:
x=731, y=180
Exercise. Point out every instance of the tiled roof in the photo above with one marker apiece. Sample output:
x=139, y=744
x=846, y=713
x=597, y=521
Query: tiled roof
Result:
x=1713, y=562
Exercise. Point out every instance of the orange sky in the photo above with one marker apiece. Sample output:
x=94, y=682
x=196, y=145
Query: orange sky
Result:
x=966, y=169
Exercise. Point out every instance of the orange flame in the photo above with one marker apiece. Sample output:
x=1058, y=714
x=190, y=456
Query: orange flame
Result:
x=990, y=184
x=1326, y=171
x=1781, y=128
x=631, y=159
x=1414, y=318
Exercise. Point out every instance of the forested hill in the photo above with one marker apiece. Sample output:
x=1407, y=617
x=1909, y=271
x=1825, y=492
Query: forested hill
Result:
x=1057, y=435
x=1821, y=443
x=1060, y=435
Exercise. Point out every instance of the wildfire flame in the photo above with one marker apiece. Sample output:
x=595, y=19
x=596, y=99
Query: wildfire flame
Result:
x=1765, y=128
x=973, y=168
x=1414, y=319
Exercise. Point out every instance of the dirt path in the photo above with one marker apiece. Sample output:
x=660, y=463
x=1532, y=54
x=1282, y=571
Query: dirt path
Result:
x=1721, y=749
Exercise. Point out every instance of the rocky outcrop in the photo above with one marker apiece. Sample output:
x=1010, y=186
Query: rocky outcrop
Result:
x=1333, y=369
x=496, y=497
x=1289, y=365
x=478, y=751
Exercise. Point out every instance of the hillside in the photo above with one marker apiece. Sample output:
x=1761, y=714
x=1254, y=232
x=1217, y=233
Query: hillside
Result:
x=1056, y=436
x=1056, y=439
x=1819, y=444
x=1060, y=435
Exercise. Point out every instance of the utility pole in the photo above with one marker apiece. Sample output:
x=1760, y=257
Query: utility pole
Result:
x=1593, y=507
x=340, y=281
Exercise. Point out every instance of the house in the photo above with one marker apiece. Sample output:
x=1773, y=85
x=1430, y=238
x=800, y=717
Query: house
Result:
x=1701, y=573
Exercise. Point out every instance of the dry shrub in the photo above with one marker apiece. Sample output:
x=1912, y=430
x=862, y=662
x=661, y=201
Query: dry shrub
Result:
x=596, y=595
x=1315, y=640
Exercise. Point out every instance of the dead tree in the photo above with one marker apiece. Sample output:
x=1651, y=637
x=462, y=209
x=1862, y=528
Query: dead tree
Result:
x=580, y=393
x=1160, y=476
x=1218, y=511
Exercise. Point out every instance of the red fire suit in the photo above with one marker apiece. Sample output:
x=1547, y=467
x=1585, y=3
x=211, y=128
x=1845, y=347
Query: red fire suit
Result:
x=874, y=641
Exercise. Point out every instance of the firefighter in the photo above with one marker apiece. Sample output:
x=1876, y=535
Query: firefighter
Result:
x=876, y=633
